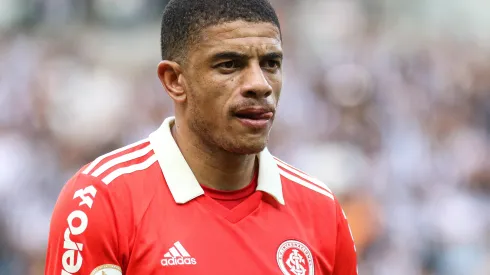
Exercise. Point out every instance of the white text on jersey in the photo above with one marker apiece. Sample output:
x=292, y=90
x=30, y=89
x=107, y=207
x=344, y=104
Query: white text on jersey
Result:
x=72, y=259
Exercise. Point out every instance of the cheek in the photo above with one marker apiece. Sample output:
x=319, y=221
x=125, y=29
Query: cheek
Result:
x=215, y=95
x=212, y=95
x=208, y=105
x=276, y=84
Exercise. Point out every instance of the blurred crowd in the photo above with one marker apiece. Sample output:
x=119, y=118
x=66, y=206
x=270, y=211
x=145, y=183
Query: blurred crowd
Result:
x=387, y=102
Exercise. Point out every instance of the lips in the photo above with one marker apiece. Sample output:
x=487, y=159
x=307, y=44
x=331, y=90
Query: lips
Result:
x=255, y=113
x=256, y=118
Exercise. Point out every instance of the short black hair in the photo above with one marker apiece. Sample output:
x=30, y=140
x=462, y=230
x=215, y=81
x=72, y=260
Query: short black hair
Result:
x=183, y=20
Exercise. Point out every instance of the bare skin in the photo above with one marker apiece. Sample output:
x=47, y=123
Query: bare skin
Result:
x=225, y=95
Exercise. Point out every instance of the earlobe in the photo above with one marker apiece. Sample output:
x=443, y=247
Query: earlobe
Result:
x=171, y=77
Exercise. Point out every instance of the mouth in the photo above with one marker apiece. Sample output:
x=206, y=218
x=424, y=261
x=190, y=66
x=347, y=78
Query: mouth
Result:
x=255, y=117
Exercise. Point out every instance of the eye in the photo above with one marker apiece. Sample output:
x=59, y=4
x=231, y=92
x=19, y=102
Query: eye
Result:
x=228, y=67
x=228, y=64
x=272, y=64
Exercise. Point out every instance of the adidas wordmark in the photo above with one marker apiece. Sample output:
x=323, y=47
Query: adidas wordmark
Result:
x=177, y=255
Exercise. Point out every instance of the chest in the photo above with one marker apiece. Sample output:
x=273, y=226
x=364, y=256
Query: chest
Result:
x=200, y=238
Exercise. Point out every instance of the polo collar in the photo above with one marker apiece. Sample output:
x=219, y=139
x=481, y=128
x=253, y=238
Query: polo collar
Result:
x=181, y=180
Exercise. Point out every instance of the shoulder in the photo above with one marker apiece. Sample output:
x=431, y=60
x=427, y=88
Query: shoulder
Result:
x=97, y=211
x=309, y=199
x=127, y=161
x=298, y=185
x=117, y=179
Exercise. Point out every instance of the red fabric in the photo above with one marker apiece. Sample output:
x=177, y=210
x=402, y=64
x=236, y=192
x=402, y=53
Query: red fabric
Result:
x=230, y=199
x=133, y=226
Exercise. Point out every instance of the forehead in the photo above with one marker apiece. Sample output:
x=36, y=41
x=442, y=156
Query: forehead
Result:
x=241, y=36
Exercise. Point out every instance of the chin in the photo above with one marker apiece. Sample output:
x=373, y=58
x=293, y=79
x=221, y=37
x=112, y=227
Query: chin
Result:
x=250, y=148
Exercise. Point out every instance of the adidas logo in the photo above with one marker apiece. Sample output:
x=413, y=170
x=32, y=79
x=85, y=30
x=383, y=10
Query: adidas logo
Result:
x=177, y=255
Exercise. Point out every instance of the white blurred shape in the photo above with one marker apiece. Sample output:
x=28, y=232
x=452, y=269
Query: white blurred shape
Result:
x=468, y=150
x=18, y=65
x=294, y=112
x=338, y=165
x=118, y=8
x=457, y=217
x=87, y=108
x=15, y=162
x=327, y=23
x=10, y=12
x=473, y=18
x=349, y=84
x=29, y=224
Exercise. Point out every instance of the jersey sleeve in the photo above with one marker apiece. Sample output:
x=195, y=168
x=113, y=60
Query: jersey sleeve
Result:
x=345, y=256
x=83, y=237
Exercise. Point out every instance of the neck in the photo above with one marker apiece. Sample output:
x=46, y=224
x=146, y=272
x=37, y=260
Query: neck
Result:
x=214, y=167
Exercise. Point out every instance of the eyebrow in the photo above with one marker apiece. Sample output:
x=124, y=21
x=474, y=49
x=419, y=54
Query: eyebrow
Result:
x=273, y=55
x=229, y=55
x=237, y=55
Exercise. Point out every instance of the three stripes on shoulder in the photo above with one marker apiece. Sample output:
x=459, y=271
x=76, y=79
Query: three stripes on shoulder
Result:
x=285, y=169
x=121, y=159
x=303, y=179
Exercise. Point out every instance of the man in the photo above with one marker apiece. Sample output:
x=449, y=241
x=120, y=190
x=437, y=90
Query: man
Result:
x=202, y=195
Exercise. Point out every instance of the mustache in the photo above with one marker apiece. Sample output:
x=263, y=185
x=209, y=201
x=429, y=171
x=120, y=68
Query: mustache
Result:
x=266, y=106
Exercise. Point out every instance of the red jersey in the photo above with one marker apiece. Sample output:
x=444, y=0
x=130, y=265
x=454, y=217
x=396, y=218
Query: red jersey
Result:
x=230, y=199
x=139, y=210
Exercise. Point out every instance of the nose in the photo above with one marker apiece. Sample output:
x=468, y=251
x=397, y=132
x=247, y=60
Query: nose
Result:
x=255, y=83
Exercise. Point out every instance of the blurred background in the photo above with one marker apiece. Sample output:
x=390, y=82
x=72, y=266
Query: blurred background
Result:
x=386, y=101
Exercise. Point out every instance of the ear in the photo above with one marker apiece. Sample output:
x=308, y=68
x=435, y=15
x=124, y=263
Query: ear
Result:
x=170, y=75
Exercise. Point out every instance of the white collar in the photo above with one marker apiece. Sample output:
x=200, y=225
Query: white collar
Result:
x=181, y=180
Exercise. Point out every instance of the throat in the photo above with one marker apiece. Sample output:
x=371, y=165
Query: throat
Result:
x=227, y=180
x=231, y=199
x=219, y=170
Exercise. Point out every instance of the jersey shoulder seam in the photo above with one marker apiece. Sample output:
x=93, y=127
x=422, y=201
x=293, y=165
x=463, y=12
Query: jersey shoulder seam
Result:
x=125, y=160
x=299, y=177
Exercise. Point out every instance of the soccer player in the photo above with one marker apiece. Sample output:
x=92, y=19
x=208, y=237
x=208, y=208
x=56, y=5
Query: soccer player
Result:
x=202, y=194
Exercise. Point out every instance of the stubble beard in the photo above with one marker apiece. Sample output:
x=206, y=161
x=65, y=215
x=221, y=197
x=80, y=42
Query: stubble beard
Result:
x=215, y=141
